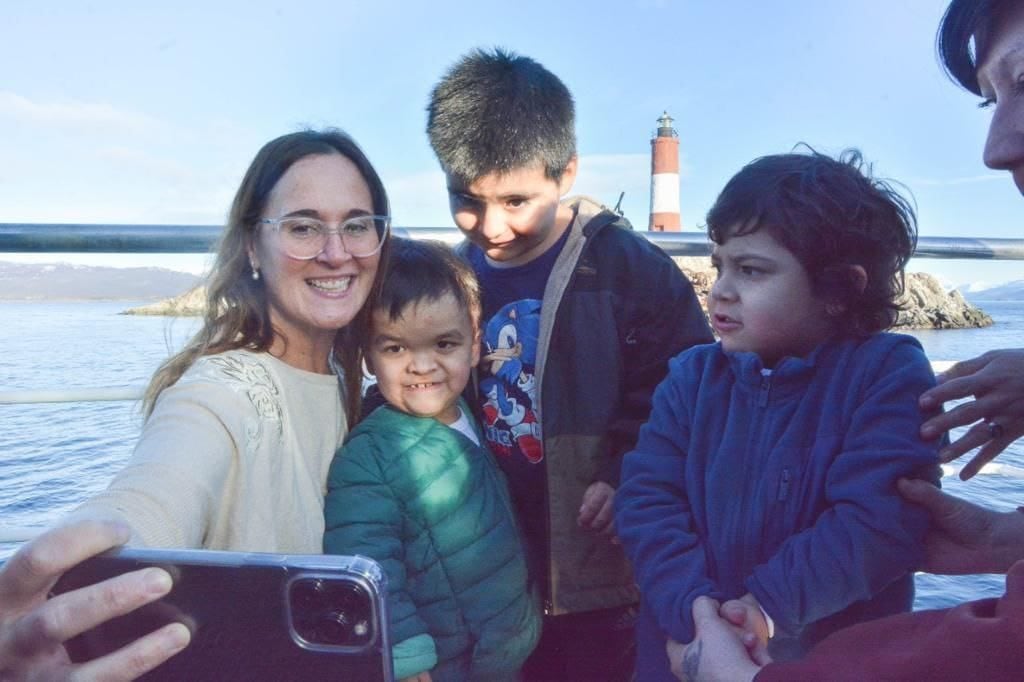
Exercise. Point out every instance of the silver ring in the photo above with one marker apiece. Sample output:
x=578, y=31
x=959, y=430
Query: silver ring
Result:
x=995, y=430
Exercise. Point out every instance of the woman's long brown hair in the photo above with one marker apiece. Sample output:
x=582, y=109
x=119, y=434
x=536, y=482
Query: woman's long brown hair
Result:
x=237, y=314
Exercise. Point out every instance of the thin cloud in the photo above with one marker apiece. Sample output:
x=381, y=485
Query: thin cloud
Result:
x=73, y=113
x=605, y=176
x=949, y=182
x=138, y=161
x=419, y=199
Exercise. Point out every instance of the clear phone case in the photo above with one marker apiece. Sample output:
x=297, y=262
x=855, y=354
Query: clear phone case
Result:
x=252, y=616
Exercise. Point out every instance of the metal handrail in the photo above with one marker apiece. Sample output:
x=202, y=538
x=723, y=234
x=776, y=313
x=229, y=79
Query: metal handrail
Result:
x=88, y=238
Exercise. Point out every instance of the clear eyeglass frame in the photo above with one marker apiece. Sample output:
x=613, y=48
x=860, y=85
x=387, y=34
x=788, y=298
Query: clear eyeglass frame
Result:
x=356, y=242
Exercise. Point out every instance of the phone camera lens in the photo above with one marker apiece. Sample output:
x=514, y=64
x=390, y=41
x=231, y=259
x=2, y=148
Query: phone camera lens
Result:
x=334, y=627
x=331, y=612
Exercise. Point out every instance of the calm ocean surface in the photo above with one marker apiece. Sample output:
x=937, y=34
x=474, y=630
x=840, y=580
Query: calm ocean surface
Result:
x=54, y=456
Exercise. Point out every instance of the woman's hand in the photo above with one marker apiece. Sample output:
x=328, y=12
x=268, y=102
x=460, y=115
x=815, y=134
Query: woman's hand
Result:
x=33, y=628
x=996, y=381
x=963, y=537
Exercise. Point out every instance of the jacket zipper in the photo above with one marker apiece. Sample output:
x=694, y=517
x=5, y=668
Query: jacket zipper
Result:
x=766, y=387
x=784, y=482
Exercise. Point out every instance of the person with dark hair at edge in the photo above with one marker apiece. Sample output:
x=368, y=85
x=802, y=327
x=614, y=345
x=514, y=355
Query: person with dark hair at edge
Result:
x=981, y=44
x=580, y=318
x=766, y=476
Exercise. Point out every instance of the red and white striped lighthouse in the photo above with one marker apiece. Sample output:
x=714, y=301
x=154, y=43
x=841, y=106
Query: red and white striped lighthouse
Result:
x=665, y=178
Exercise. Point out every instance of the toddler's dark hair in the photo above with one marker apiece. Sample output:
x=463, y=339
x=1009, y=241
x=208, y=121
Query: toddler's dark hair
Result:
x=423, y=270
x=498, y=111
x=830, y=213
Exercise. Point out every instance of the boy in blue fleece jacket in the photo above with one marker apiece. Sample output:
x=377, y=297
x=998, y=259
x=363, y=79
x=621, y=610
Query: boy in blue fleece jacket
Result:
x=414, y=488
x=766, y=475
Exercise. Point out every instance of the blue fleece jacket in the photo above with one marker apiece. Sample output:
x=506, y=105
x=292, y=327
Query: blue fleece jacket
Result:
x=780, y=483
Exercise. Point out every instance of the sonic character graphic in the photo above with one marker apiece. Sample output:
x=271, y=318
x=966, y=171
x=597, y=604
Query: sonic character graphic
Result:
x=508, y=365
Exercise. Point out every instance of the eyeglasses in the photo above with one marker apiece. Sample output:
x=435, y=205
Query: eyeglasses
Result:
x=305, y=238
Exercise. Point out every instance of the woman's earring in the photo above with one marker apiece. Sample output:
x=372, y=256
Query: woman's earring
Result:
x=255, y=270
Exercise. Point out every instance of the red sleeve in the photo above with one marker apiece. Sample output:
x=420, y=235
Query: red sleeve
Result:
x=981, y=640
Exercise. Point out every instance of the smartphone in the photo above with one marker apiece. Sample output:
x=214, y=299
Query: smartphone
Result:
x=251, y=615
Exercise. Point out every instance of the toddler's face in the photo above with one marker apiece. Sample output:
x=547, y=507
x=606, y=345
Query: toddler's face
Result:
x=423, y=359
x=763, y=301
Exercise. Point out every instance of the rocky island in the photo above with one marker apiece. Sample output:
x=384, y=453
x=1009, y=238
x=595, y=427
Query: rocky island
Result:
x=192, y=303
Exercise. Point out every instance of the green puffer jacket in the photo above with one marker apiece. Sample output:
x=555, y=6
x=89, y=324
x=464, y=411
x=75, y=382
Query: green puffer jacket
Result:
x=434, y=510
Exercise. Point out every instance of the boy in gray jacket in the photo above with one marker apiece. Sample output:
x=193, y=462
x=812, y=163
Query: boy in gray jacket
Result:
x=580, y=317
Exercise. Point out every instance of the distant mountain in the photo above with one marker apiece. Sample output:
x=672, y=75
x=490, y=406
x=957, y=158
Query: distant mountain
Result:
x=20, y=281
x=1011, y=291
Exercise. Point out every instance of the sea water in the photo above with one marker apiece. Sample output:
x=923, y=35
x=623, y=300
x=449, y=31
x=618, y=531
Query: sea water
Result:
x=53, y=456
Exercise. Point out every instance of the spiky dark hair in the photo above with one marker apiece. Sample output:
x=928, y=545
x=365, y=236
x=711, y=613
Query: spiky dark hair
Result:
x=496, y=111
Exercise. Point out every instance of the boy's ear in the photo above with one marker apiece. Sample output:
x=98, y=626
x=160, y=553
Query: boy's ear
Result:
x=858, y=277
x=568, y=177
x=843, y=283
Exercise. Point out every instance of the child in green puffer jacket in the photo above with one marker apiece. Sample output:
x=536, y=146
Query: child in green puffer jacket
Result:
x=414, y=489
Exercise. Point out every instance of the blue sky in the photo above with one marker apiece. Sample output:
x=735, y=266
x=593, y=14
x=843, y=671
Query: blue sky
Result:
x=137, y=112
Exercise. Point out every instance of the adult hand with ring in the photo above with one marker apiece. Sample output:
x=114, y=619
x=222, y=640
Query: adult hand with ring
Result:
x=995, y=381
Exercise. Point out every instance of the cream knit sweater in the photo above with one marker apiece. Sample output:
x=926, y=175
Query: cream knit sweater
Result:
x=234, y=457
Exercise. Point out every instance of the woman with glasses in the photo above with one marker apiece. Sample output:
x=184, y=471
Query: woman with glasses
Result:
x=241, y=425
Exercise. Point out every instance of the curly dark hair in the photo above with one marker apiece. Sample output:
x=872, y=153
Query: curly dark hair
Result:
x=830, y=213
x=497, y=111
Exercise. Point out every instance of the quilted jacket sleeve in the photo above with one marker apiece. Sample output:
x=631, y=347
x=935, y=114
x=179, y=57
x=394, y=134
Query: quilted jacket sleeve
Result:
x=362, y=516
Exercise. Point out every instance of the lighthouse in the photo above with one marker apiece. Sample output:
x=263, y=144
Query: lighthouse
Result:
x=665, y=178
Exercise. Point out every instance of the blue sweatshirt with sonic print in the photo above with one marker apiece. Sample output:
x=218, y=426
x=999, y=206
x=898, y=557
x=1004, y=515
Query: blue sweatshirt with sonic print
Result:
x=780, y=483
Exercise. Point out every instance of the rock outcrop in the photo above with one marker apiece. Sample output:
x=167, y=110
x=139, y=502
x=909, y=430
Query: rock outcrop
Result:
x=928, y=305
x=190, y=304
